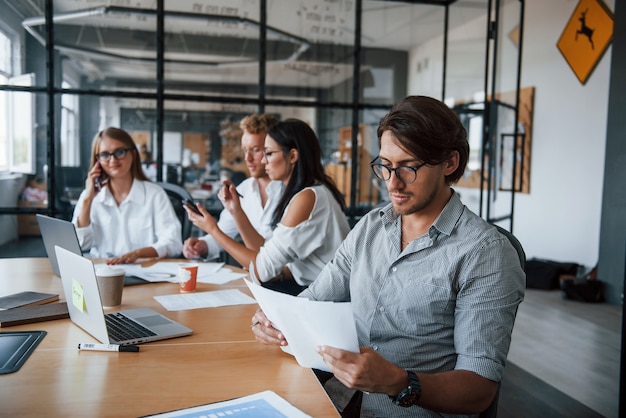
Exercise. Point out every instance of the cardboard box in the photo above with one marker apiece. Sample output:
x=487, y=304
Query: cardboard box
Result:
x=27, y=224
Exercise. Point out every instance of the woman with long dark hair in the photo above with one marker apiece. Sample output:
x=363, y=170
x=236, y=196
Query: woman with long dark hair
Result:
x=309, y=223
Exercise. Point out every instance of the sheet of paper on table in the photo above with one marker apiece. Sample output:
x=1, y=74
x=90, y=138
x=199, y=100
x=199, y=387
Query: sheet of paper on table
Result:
x=167, y=271
x=196, y=300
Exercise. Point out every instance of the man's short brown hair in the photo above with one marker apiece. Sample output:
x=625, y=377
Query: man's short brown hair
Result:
x=258, y=123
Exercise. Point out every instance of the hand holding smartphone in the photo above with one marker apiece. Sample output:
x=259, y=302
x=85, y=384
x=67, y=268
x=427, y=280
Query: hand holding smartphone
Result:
x=100, y=180
x=191, y=206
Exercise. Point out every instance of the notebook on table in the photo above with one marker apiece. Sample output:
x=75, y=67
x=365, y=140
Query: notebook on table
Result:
x=133, y=326
x=62, y=233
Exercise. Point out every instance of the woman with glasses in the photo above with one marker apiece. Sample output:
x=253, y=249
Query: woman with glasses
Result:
x=309, y=223
x=121, y=215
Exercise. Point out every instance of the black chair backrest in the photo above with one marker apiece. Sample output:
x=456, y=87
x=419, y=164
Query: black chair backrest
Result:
x=516, y=244
x=176, y=195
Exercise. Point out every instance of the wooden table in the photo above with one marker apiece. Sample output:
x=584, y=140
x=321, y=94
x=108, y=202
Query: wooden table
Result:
x=220, y=361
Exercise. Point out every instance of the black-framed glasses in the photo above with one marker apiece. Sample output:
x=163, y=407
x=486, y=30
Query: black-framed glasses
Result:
x=406, y=173
x=118, y=154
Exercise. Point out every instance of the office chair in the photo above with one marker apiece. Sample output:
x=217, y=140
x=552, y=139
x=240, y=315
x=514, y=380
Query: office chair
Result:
x=176, y=194
x=492, y=410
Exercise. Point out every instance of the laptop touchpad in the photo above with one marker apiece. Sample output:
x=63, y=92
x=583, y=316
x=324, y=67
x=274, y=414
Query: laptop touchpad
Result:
x=153, y=320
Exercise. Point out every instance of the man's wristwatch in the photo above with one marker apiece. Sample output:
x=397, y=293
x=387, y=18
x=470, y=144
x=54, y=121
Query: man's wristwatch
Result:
x=410, y=394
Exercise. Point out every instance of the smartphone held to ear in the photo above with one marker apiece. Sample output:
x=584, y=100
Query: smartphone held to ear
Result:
x=99, y=183
x=191, y=206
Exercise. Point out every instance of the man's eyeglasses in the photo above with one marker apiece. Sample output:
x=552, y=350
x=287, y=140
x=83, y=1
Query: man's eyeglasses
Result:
x=406, y=173
x=118, y=154
x=252, y=151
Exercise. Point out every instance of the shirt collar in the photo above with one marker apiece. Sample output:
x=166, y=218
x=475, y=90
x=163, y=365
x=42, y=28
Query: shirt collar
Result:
x=444, y=223
x=275, y=187
x=137, y=194
x=449, y=216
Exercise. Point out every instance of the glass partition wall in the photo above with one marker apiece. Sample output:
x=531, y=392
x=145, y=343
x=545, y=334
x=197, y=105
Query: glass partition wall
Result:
x=180, y=75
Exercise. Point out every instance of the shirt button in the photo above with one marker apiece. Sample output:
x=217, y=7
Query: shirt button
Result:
x=381, y=309
x=375, y=347
x=394, y=269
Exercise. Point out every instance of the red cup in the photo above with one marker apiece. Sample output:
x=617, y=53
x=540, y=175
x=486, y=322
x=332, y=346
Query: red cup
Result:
x=188, y=276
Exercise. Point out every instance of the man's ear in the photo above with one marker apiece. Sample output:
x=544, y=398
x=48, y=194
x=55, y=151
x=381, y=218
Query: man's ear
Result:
x=452, y=163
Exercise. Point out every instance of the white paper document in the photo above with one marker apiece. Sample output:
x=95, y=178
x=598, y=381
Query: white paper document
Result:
x=195, y=300
x=260, y=405
x=307, y=324
x=221, y=276
x=167, y=271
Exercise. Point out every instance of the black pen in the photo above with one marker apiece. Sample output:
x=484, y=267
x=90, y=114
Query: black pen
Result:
x=108, y=347
x=238, y=194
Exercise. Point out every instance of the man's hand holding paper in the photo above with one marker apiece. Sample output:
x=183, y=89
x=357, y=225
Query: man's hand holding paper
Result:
x=305, y=325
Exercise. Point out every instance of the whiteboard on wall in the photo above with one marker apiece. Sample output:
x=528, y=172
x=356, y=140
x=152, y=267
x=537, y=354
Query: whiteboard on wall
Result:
x=172, y=147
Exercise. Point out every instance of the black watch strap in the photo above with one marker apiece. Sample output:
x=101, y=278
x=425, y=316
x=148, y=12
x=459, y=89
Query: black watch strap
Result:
x=410, y=394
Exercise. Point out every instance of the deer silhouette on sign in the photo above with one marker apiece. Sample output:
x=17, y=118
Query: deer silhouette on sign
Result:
x=584, y=29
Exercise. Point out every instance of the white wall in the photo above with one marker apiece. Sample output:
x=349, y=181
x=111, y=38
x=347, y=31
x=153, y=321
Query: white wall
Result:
x=560, y=218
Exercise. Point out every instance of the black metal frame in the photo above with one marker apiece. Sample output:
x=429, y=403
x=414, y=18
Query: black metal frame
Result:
x=261, y=101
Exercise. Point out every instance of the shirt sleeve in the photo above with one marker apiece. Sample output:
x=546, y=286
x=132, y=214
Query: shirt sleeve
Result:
x=333, y=282
x=227, y=225
x=85, y=234
x=486, y=305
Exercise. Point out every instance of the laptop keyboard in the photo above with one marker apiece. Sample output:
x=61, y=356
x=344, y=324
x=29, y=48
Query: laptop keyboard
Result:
x=122, y=328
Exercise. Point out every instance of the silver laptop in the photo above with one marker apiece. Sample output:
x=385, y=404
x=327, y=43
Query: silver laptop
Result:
x=57, y=232
x=63, y=233
x=85, y=308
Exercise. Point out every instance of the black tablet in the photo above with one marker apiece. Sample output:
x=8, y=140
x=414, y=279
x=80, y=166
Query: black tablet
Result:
x=16, y=347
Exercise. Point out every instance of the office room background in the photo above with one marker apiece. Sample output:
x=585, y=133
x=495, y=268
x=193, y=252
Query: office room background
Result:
x=573, y=205
x=560, y=216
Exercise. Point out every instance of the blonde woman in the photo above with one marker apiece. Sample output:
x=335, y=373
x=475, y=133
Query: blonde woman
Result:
x=121, y=215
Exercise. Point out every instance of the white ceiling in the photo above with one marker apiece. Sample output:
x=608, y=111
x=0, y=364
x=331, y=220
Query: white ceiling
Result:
x=103, y=41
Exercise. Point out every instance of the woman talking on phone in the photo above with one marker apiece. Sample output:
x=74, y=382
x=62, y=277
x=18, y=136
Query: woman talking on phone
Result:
x=309, y=223
x=121, y=215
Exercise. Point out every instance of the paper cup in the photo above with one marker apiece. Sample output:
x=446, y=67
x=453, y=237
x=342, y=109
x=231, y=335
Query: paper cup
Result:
x=187, y=276
x=111, y=285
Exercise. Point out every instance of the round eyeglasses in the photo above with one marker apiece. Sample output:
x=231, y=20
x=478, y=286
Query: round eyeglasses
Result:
x=405, y=173
x=254, y=151
x=118, y=154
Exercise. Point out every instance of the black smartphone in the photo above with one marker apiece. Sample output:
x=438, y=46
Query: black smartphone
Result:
x=102, y=179
x=189, y=204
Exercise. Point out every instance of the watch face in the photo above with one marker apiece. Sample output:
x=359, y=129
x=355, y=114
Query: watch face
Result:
x=408, y=397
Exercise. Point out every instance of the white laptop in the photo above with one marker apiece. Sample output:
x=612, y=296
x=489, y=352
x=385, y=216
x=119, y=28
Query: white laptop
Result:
x=85, y=308
x=63, y=233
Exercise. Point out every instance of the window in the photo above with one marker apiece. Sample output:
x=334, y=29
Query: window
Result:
x=17, y=117
x=70, y=145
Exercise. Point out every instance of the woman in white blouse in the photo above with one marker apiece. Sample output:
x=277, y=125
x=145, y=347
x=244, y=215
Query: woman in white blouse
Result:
x=121, y=215
x=309, y=223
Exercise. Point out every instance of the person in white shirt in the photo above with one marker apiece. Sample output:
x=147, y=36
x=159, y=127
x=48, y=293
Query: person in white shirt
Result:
x=121, y=215
x=261, y=193
x=309, y=223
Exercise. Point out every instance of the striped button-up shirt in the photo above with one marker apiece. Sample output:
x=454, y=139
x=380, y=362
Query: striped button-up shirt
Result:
x=447, y=302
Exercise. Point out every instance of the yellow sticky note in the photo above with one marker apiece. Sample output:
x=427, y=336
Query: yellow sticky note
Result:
x=78, y=296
